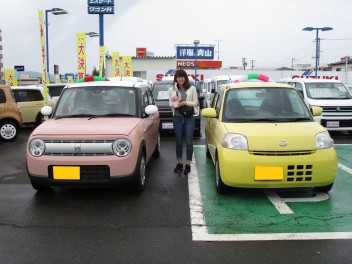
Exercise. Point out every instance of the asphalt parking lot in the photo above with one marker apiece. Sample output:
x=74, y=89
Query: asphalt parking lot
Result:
x=173, y=221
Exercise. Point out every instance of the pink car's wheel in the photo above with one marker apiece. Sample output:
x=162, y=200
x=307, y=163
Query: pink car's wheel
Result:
x=139, y=182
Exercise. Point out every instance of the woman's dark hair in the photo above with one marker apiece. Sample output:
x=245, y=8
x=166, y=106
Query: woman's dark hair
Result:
x=182, y=73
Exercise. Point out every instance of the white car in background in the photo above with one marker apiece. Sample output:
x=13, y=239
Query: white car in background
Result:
x=332, y=96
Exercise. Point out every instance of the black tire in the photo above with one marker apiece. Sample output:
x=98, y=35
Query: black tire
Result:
x=139, y=182
x=40, y=188
x=207, y=152
x=156, y=153
x=197, y=134
x=220, y=186
x=325, y=189
x=8, y=130
x=39, y=119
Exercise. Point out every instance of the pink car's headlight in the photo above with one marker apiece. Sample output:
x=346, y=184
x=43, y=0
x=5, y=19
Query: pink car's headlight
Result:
x=121, y=147
x=37, y=147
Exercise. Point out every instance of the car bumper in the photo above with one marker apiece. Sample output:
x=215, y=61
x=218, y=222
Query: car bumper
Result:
x=92, y=171
x=241, y=169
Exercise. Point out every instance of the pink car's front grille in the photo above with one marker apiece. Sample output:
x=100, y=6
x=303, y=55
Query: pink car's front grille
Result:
x=78, y=148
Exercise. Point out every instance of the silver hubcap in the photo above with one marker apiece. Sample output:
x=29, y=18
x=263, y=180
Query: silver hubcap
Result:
x=8, y=131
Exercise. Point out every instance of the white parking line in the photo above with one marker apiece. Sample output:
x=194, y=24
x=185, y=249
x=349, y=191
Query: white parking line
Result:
x=200, y=230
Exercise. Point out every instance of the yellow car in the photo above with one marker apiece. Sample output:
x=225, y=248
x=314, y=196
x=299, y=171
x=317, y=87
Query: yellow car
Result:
x=30, y=99
x=262, y=135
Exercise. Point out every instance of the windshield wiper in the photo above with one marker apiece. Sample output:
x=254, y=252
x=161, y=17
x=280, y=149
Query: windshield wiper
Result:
x=69, y=116
x=266, y=120
x=110, y=115
x=295, y=119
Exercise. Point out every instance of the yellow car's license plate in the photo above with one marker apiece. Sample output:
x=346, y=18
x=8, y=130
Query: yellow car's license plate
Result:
x=66, y=173
x=266, y=173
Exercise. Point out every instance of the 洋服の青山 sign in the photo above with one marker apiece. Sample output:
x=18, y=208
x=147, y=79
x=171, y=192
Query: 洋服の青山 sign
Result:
x=200, y=64
x=192, y=52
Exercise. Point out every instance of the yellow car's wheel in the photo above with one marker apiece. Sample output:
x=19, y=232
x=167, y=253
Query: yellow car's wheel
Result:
x=207, y=152
x=220, y=186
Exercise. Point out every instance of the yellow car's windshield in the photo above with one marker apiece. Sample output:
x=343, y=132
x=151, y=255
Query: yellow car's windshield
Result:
x=264, y=104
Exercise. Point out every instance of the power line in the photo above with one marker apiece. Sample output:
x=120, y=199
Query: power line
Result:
x=337, y=39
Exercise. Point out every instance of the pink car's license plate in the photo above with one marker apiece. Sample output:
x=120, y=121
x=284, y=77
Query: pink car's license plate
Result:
x=66, y=173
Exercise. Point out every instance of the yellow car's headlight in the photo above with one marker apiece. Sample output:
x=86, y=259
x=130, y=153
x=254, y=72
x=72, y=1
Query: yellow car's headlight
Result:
x=323, y=140
x=235, y=141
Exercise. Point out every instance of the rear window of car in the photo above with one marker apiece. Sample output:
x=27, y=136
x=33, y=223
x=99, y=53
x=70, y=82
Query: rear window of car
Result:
x=27, y=95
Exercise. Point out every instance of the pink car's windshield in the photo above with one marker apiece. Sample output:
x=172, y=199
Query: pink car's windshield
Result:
x=97, y=101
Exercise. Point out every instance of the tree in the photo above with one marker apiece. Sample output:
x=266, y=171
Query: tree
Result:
x=95, y=72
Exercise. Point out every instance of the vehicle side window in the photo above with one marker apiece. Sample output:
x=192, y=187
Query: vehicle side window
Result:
x=28, y=95
x=145, y=100
x=299, y=88
x=2, y=97
x=150, y=98
x=218, y=102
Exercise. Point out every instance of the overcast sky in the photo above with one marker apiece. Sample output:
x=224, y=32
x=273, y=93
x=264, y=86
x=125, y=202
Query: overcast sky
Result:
x=268, y=32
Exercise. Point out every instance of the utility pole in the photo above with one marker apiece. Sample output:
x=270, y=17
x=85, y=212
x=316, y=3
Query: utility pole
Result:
x=293, y=59
x=218, y=41
x=244, y=63
x=252, y=63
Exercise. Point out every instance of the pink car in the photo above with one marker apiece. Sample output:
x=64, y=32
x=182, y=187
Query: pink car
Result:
x=100, y=133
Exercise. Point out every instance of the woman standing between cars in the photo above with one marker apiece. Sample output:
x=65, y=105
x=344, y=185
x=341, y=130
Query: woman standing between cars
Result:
x=183, y=94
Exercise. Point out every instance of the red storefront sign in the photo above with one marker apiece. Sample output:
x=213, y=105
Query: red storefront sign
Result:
x=141, y=52
x=201, y=64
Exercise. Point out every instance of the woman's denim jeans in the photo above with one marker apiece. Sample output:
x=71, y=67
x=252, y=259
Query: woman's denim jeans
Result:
x=184, y=129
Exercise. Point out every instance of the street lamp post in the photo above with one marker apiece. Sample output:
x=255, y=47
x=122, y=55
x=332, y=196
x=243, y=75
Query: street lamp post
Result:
x=54, y=11
x=317, y=45
x=218, y=41
x=91, y=35
x=195, y=42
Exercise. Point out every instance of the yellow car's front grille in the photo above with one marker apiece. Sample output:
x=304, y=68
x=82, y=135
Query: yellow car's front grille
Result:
x=282, y=153
x=299, y=173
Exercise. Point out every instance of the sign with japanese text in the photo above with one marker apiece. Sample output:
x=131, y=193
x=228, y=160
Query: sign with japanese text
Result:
x=192, y=52
x=101, y=2
x=101, y=60
x=42, y=48
x=81, y=55
x=19, y=68
x=101, y=10
x=57, y=78
x=70, y=79
x=127, y=68
x=116, y=67
x=10, y=77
